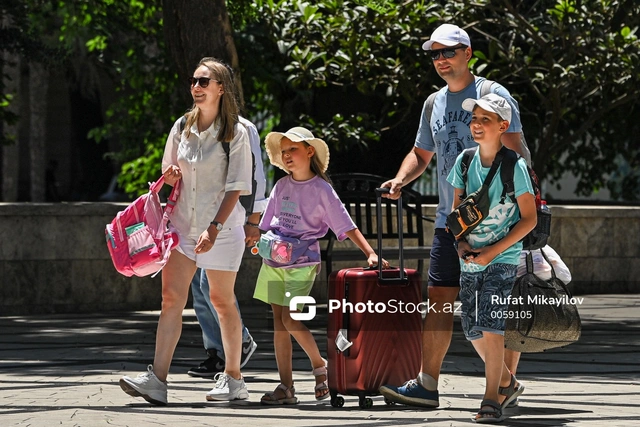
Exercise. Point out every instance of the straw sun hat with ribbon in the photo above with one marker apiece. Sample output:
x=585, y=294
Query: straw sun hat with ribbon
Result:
x=297, y=134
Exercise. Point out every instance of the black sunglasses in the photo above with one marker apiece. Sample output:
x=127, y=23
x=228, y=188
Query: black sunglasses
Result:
x=202, y=81
x=448, y=52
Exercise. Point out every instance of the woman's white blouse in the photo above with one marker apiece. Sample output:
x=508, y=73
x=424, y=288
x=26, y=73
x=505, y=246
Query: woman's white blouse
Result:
x=206, y=176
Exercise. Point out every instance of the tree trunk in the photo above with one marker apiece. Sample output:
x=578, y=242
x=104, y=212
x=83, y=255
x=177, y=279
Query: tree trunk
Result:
x=38, y=85
x=10, y=153
x=195, y=29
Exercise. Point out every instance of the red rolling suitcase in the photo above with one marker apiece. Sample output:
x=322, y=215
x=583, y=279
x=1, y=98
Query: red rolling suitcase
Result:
x=375, y=326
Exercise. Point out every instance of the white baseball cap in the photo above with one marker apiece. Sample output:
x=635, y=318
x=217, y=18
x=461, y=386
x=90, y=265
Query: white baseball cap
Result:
x=448, y=35
x=490, y=102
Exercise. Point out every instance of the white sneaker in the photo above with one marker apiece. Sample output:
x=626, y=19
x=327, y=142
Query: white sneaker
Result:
x=147, y=386
x=228, y=388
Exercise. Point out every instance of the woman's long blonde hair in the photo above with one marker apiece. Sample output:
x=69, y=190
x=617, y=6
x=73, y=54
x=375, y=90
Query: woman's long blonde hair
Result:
x=228, y=114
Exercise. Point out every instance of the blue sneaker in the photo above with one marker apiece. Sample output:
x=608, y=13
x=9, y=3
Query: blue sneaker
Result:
x=411, y=393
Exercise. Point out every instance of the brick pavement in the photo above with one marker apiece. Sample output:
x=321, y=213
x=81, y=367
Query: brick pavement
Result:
x=63, y=370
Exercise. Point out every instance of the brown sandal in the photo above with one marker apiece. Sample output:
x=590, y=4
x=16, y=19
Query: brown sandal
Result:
x=323, y=387
x=271, y=398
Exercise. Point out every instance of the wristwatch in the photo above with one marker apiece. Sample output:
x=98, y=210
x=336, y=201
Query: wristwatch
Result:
x=217, y=224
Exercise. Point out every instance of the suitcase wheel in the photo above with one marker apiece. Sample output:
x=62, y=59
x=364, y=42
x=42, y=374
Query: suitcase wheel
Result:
x=337, y=402
x=366, y=402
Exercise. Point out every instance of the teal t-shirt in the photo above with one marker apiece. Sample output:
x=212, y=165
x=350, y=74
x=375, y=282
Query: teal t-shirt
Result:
x=501, y=215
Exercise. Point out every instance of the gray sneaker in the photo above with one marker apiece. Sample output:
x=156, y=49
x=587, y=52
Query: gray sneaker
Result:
x=248, y=347
x=228, y=388
x=147, y=386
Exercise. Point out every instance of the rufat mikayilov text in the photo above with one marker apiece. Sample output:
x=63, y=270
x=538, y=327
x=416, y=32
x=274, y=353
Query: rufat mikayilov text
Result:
x=391, y=306
x=536, y=299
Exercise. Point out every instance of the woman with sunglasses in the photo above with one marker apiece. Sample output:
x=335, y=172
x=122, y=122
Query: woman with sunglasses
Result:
x=209, y=221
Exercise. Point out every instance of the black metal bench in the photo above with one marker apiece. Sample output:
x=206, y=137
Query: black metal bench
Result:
x=357, y=193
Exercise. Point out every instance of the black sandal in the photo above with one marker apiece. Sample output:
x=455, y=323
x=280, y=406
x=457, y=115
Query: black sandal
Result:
x=489, y=416
x=511, y=393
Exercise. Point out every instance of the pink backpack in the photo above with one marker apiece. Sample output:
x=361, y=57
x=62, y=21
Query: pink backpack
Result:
x=138, y=237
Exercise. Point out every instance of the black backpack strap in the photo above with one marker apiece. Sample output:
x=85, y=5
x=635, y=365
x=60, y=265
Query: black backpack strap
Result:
x=247, y=201
x=506, y=174
x=497, y=160
x=529, y=263
x=467, y=155
x=553, y=271
x=226, y=147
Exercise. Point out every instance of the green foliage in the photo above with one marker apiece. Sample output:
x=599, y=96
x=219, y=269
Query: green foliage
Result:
x=351, y=74
x=354, y=72
x=575, y=68
x=24, y=23
x=132, y=177
x=124, y=42
x=356, y=75
x=242, y=13
x=624, y=182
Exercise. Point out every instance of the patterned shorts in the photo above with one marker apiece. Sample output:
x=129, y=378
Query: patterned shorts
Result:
x=484, y=297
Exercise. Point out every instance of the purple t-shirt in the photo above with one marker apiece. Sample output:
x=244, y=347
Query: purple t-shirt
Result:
x=305, y=210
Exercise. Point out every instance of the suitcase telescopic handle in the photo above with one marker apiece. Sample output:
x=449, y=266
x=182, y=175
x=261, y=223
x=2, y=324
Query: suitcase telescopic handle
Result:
x=402, y=278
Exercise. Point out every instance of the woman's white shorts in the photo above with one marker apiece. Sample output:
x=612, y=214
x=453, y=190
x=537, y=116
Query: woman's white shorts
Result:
x=225, y=255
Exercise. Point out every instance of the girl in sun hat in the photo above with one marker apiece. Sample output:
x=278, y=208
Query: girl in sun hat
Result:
x=320, y=161
x=303, y=206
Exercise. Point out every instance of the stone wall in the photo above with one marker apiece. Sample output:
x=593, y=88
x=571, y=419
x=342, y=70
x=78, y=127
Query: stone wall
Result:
x=53, y=258
x=600, y=246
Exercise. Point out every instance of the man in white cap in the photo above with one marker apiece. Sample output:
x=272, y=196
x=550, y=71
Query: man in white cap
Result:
x=446, y=133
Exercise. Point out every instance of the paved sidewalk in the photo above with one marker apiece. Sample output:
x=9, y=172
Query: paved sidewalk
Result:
x=63, y=370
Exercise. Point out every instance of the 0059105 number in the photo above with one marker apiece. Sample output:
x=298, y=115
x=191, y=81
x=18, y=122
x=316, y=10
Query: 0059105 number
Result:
x=511, y=314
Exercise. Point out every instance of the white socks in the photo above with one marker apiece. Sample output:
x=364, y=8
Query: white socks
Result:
x=427, y=381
